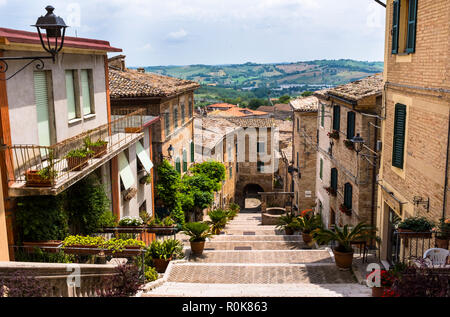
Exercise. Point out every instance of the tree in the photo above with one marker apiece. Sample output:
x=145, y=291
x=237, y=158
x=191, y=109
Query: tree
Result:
x=198, y=194
x=168, y=190
x=284, y=99
x=213, y=170
x=307, y=93
x=255, y=104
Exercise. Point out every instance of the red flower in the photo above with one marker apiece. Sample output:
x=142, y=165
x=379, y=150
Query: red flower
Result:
x=305, y=212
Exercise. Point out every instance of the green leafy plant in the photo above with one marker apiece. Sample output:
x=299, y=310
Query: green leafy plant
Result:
x=150, y=274
x=146, y=218
x=129, y=221
x=288, y=221
x=443, y=229
x=107, y=219
x=42, y=256
x=416, y=224
x=218, y=220
x=118, y=245
x=166, y=249
x=48, y=173
x=88, y=143
x=231, y=214
x=308, y=224
x=344, y=236
x=234, y=207
x=80, y=153
x=87, y=241
x=168, y=222
x=197, y=231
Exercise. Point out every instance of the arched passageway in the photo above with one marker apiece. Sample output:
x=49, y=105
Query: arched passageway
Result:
x=252, y=200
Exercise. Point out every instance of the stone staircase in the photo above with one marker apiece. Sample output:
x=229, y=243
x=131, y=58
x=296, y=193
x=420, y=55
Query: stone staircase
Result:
x=254, y=260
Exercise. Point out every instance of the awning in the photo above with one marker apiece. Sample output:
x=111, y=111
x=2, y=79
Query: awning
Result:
x=143, y=157
x=126, y=174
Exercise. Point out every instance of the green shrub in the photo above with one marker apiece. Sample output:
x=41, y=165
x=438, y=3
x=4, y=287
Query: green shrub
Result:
x=166, y=249
x=80, y=153
x=150, y=274
x=416, y=224
x=198, y=231
x=218, y=220
x=107, y=220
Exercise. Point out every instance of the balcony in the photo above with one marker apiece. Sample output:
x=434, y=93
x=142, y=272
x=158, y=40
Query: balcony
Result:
x=42, y=170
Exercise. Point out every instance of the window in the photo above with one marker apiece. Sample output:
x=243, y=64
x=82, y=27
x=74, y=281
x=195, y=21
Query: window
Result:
x=336, y=118
x=260, y=166
x=86, y=91
x=191, y=106
x=192, y=152
x=167, y=124
x=334, y=179
x=398, y=144
x=260, y=147
x=185, y=161
x=298, y=125
x=182, y=112
x=298, y=160
x=42, y=99
x=71, y=95
x=231, y=172
x=348, y=195
x=350, y=125
x=237, y=167
x=332, y=218
x=322, y=115
x=321, y=169
x=404, y=18
x=175, y=116
x=178, y=165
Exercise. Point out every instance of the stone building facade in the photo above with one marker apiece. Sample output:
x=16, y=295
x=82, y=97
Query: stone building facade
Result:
x=346, y=178
x=304, y=152
x=415, y=132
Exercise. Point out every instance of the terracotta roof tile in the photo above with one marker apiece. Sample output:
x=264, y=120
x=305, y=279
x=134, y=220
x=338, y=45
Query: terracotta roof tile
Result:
x=306, y=104
x=356, y=90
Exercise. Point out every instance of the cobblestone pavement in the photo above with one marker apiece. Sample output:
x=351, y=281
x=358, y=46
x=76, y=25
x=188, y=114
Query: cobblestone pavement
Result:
x=254, y=260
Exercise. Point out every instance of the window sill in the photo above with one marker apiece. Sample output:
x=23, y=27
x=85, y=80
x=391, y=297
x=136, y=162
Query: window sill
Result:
x=89, y=116
x=74, y=121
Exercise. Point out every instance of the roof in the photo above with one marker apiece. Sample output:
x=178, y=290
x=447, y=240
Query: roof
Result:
x=236, y=112
x=266, y=109
x=283, y=107
x=357, y=90
x=131, y=84
x=253, y=122
x=284, y=126
x=221, y=105
x=212, y=131
x=306, y=104
x=25, y=37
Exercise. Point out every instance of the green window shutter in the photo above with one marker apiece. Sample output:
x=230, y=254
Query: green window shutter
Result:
x=412, y=19
x=85, y=91
x=398, y=144
x=348, y=193
x=190, y=107
x=185, y=161
x=395, y=26
x=167, y=124
x=298, y=125
x=70, y=92
x=42, y=105
x=334, y=179
x=336, y=118
x=175, y=116
x=182, y=113
x=298, y=160
x=350, y=125
x=178, y=165
x=231, y=172
x=126, y=174
x=322, y=116
x=192, y=152
x=321, y=169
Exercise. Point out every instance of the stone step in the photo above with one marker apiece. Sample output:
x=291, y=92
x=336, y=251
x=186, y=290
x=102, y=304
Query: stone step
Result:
x=259, y=290
x=255, y=245
x=258, y=273
x=257, y=231
x=257, y=238
x=264, y=257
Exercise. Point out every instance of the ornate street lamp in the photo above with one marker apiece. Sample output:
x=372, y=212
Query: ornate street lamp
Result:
x=358, y=142
x=55, y=31
x=170, y=152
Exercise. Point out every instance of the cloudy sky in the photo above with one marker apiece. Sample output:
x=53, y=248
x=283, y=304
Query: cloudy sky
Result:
x=183, y=32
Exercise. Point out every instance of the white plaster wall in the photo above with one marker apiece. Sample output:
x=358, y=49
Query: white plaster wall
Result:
x=22, y=106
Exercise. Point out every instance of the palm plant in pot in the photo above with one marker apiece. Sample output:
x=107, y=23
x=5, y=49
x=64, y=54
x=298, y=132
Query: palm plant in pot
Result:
x=307, y=224
x=198, y=232
x=218, y=220
x=289, y=223
x=343, y=252
x=163, y=252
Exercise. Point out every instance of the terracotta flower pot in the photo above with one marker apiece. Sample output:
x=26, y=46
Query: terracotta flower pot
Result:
x=51, y=244
x=33, y=179
x=161, y=264
x=197, y=247
x=81, y=249
x=377, y=291
x=343, y=260
x=77, y=163
x=307, y=237
x=406, y=233
x=132, y=130
x=442, y=243
x=129, y=251
x=99, y=151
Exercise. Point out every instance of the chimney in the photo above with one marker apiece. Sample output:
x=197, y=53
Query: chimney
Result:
x=141, y=70
x=118, y=62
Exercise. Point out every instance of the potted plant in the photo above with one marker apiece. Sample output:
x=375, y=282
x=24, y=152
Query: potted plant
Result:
x=333, y=135
x=41, y=178
x=146, y=179
x=166, y=225
x=289, y=223
x=344, y=209
x=331, y=191
x=443, y=233
x=231, y=214
x=162, y=252
x=386, y=280
x=129, y=221
x=78, y=159
x=307, y=224
x=82, y=244
x=132, y=129
x=218, y=220
x=349, y=144
x=123, y=247
x=50, y=246
x=415, y=227
x=235, y=207
x=343, y=252
x=198, y=232
x=98, y=148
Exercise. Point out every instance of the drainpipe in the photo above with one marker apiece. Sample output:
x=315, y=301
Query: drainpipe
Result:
x=374, y=179
x=446, y=169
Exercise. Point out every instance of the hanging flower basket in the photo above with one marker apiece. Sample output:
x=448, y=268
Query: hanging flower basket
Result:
x=349, y=144
x=345, y=210
x=333, y=135
x=331, y=191
x=129, y=194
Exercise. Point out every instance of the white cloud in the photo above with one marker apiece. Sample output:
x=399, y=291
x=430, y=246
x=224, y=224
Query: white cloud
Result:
x=147, y=47
x=2, y=2
x=177, y=35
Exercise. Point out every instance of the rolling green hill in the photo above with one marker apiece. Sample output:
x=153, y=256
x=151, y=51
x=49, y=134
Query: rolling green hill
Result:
x=249, y=81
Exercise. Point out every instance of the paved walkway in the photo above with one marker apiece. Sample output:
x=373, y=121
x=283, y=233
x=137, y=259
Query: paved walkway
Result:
x=254, y=260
